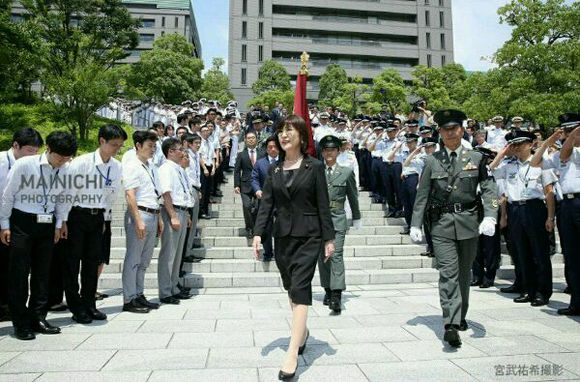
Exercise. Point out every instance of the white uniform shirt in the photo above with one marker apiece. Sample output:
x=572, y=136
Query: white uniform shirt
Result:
x=348, y=159
x=206, y=152
x=100, y=181
x=523, y=182
x=194, y=169
x=7, y=160
x=34, y=187
x=496, y=138
x=569, y=171
x=145, y=179
x=322, y=131
x=172, y=178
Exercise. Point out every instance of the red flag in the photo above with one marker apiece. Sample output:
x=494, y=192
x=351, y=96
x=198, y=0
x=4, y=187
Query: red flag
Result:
x=301, y=109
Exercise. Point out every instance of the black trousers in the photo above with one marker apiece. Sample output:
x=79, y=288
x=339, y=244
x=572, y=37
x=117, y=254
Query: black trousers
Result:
x=488, y=257
x=267, y=236
x=367, y=159
x=56, y=285
x=249, y=209
x=377, y=178
x=409, y=193
x=393, y=186
x=84, y=245
x=31, y=246
x=569, y=216
x=530, y=238
x=512, y=251
x=296, y=258
x=4, y=264
x=206, y=190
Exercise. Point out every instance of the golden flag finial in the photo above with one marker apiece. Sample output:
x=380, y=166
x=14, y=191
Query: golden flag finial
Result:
x=304, y=63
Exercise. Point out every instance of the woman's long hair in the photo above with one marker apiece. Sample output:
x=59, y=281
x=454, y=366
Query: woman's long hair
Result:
x=297, y=123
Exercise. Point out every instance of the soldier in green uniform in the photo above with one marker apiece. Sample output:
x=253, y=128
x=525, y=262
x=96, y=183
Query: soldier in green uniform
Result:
x=447, y=196
x=341, y=185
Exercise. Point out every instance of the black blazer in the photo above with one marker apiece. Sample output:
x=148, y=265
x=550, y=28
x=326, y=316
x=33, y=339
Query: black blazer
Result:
x=303, y=209
x=243, y=171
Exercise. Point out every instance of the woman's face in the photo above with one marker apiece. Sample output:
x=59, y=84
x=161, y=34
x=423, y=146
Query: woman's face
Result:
x=289, y=138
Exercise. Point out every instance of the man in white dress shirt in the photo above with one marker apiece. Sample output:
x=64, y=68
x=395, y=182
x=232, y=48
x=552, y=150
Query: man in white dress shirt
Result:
x=31, y=217
x=176, y=193
x=91, y=199
x=25, y=142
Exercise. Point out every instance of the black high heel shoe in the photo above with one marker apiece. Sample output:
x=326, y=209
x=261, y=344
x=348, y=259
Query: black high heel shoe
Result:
x=303, y=347
x=282, y=376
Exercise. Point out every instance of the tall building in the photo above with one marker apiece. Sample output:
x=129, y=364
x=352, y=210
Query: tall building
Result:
x=159, y=17
x=363, y=36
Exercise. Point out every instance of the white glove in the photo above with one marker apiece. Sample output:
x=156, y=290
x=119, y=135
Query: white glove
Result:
x=487, y=226
x=416, y=234
x=357, y=224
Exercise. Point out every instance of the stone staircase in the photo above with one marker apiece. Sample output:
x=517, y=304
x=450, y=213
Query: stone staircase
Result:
x=374, y=254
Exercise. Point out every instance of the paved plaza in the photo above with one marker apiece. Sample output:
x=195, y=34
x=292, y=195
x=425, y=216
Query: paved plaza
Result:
x=386, y=333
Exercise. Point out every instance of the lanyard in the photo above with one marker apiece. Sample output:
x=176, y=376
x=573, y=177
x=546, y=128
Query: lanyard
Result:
x=525, y=179
x=8, y=159
x=107, y=178
x=195, y=165
x=44, y=186
x=152, y=177
x=181, y=181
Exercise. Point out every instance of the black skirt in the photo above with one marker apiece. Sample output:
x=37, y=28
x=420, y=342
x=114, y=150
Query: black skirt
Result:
x=296, y=258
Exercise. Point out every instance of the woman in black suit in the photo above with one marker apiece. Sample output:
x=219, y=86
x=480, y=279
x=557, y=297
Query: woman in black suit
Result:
x=296, y=188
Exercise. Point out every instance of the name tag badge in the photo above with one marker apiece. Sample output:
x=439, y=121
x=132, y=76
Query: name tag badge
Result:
x=44, y=219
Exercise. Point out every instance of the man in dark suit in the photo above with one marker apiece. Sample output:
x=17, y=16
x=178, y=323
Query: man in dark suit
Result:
x=243, y=181
x=259, y=175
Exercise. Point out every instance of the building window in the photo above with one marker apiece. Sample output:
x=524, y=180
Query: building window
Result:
x=427, y=18
x=163, y=21
x=148, y=23
x=244, y=29
x=146, y=37
x=260, y=53
x=443, y=60
x=426, y=2
x=428, y=60
x=260, y=30
x=261, y=7
x=428, y=40
x=244, y=53
x=162, y=33
x=442, y=19
x=177, y=22
x=443, y=41
x=245, y=7
x=441, y=3
x=244, y=79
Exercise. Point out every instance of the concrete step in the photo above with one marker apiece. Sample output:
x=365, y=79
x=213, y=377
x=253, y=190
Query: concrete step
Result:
x=263, y=279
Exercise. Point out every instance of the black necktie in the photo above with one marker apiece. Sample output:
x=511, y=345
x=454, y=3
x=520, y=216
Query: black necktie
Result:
x=453, y=160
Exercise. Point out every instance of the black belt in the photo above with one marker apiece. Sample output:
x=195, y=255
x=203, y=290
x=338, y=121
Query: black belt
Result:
x=149, y=210
x=90, y=211
x=453, y=208
x=410, y=175
x=181, y=208
x=572, y=196
x=524, y=202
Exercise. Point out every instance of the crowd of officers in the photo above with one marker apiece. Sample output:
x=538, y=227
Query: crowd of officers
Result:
x=56, y=208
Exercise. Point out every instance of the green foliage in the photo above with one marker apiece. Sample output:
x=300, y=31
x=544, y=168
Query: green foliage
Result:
x=389, y=89
x=271, y=76
x=331, y=84
x=43, y=118
x=167, y=73
x=352, y=95
x=216, y=84
x=269, y=98
x=440, y=87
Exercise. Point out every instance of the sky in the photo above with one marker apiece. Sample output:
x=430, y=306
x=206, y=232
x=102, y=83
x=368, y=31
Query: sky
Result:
x=476, y=30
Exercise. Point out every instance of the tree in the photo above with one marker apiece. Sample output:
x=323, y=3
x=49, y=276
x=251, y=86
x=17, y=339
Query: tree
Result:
x=271, y=76
x=389, y=89
x=351, y=95
x=80, y=40
x=216, y=84
x=168, y=73
x=270, y=97
x=440, y=87
x=331, y=84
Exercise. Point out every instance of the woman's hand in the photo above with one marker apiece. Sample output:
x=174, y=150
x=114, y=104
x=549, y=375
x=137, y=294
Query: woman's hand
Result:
x=256, y=245
x=328, y=250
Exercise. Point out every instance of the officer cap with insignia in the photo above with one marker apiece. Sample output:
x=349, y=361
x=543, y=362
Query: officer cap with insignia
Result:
x=412, y=122
x=485, y=151
x=449, y=118
x=517, y=119
x=568, y=120
x=497, y=119
x=330, y=142
x=411, y=137
x=429, y=141
x=366, y=118
x=341, y=121
x=324, y=115
x=520, y=136
x=425, y=130
x=258, y=119
x=391, y=126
